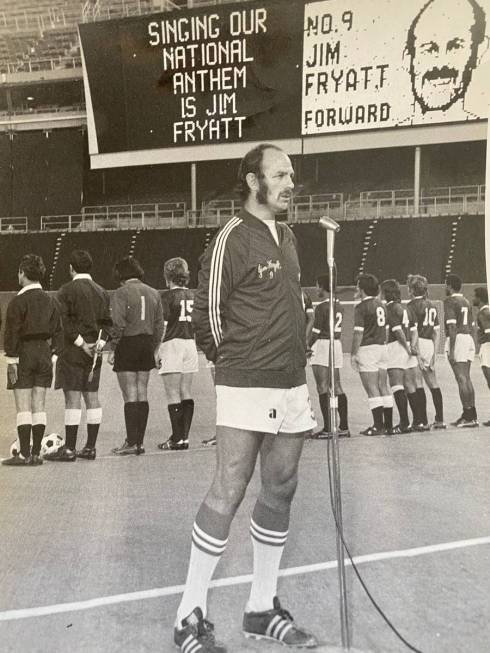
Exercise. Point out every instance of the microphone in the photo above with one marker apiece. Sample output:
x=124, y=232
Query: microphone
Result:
x=331, y=228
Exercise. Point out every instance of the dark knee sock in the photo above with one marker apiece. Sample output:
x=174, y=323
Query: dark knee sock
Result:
x=388, y=418
x=378, y=416
x=413, y=400
x=402, y=405
x=343, y=412
x=176, y=414
x=37, y=436
x=324, y=399
x=92, y=433
x=188, y=413
x=24, y=435
x=71, y=431
x=422, y=405
x=131, y=418
x=143, y=410
x=437, y=399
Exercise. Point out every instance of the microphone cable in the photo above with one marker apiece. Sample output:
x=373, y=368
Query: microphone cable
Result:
x=339, y=529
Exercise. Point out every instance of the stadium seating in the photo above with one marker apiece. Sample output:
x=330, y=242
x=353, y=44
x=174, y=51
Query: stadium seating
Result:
x=469, y=252
x=14, y=246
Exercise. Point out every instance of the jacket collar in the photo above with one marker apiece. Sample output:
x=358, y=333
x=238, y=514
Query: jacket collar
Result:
x=31, y=286
x=81, y=275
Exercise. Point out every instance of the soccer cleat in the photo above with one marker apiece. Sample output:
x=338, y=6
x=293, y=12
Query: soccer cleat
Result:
x=277, y=625
x=211, y=442
x=171, y=445
x=420, y=428
x=88, y=453
x=396, y=430
x=35, y=460
x=183, y=445
x=63, y=455
x=17, y=461
x=372, y=430
x=197, y=635
x=458, y=421
x=486, y=423
x=344, y=433
x=140, y=449
x=125, y=449
x=468, y=424
x=438, y=426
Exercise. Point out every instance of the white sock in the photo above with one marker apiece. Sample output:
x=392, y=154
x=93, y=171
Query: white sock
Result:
x=267, y=558
x=199, y=574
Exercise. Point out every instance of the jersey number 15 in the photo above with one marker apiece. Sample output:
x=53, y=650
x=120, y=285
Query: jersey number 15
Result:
x=186, y=306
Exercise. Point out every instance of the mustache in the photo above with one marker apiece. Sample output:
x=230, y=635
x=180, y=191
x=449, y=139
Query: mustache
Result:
x=440, y=73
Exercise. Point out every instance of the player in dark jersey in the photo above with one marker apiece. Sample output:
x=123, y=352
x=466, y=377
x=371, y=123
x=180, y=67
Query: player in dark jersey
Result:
x=319, y=341
x=137, y=317
x=368, y=356
x=460, y=347
x=86, y=317
x=402, y=360
x=32, y=335
x=178, y=353
x=428, y=328
x=480, y=300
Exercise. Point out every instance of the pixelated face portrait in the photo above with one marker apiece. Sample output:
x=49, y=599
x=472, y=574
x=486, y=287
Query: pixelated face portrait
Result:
x=275, y=185
x=443, y=43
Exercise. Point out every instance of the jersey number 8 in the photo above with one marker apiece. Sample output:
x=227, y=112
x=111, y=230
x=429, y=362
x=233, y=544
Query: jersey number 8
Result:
x=380, y=316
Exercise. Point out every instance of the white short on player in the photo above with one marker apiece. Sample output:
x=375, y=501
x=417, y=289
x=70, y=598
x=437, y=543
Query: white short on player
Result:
x=464, y=348
x=266, y=410
x=426, y=351
x=398, y=357
x=485, y=354
x=321, y=353
x=178, y=355
x=372, y=358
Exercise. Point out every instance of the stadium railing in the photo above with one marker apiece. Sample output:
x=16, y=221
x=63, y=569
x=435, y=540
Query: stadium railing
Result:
x=13, y=224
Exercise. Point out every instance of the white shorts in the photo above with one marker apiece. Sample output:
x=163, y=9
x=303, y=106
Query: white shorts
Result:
x=266, y=410
x=178, y=355
x=321, y=353
x=398, y=357
x=464, y=348
x=372, y=358
x=485, y=354
x=426, y=350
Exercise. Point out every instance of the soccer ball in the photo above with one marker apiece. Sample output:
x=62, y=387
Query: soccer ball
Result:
x=51, y=443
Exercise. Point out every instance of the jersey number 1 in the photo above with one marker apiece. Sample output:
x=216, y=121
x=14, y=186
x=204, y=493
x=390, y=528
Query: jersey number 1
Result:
x=186, y=306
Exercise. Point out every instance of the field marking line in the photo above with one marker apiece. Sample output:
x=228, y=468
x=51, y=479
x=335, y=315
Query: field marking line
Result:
x=47, y=610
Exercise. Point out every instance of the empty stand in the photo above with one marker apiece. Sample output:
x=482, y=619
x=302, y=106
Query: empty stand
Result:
x=469, y=252
x=14, y=246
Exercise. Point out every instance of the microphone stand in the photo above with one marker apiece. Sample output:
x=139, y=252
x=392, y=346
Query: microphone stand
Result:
x=331, y=228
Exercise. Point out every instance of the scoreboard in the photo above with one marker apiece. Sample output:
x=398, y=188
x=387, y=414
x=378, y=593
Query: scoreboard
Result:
x=193, y=81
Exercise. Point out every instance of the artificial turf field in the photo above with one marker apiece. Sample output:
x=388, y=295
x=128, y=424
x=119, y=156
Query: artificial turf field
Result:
x=93, y=554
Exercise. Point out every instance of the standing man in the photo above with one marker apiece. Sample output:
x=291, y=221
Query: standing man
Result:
x=480, y=300
x=369, y=355
x=428, y=329
x=86, y=318
x=460, y=347
x=402, y=360
x=249, y=318
x=32, y=335
x=136, y=335
x=319, y=341
x=178, y=353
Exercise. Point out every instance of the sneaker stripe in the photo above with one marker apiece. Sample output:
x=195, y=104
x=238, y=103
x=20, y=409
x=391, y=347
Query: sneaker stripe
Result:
x=272, y=624
x=284, y=632
x=190, y=645
x=279, y=627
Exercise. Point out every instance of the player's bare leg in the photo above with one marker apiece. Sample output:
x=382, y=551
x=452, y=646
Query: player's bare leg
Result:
x=134, y=391
x=467, y=394
x=264, y=618
x=373, y=383
x=428, y=374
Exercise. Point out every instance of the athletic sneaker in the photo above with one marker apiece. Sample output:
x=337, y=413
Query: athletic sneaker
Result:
x=372, y=430
x=63, y=455
x=35, y=460
x=17, y=461
x=197, y=635
x=344, y=433
x=420, y=428
x=209, y=443
x=277, y=625
x=458, y=421
x=126, y=449
x=438, y=426
x=486, y=423
x=467, y=424
x=170, y=445
x=88, y=453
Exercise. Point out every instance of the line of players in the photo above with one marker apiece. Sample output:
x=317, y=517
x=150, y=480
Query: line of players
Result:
x=67, y=333
x=394, y=349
